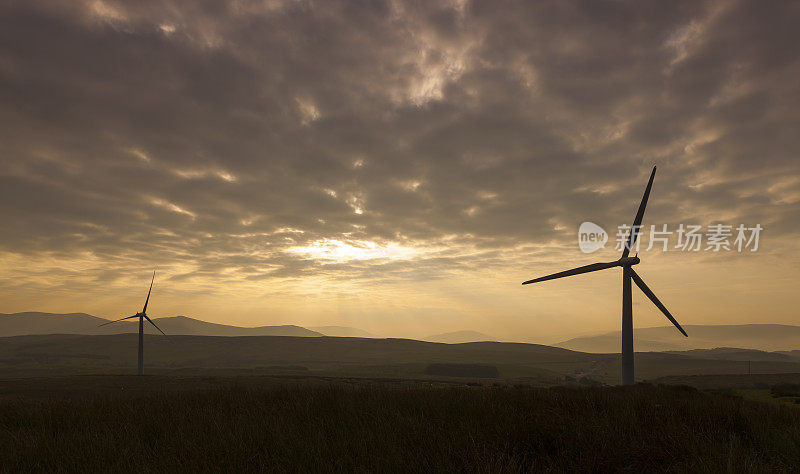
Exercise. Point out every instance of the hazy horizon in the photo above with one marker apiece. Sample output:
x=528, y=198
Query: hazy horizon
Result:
x=664, y=339
x=395, y=167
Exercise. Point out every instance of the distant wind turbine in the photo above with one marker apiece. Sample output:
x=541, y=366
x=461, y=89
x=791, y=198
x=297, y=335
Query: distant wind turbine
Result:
x=628, y=274
x=142, y=316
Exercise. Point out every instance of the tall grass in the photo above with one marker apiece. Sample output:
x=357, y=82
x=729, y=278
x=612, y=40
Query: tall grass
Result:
x=375, y=428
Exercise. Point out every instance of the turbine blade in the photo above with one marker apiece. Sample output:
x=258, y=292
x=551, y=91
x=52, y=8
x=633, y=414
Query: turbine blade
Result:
x=154, y=324
x=575, y=271
x=642, y=286
x=144, y=310
x=118, y=320
x=639, y=215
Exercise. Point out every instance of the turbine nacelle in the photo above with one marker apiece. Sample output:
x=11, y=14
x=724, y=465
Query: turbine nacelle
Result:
x=628, y=261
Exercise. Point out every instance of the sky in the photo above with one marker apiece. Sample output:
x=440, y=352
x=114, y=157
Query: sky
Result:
x=400, y=167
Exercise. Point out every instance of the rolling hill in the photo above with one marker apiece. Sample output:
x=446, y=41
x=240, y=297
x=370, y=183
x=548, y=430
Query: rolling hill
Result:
x=762, y=337
x=729, y=353
x=60, y=353
x=63, y=354
x=765, y=337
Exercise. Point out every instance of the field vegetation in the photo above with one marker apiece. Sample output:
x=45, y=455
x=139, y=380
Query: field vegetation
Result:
x=261, y=423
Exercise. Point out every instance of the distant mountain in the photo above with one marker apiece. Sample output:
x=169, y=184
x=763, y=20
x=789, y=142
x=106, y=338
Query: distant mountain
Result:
x=20, y=324
x=194, y=327
x=459, y=337
x=341, y=331
x=765, y=337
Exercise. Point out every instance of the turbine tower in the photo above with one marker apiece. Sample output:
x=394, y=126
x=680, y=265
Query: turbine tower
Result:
x=628, y=274
x=142, y=316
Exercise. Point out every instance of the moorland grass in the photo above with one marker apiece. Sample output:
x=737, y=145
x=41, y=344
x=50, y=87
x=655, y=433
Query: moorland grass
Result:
x=368, y=428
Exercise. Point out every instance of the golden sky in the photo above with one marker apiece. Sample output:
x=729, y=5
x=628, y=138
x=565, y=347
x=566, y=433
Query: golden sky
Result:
x=394, y=166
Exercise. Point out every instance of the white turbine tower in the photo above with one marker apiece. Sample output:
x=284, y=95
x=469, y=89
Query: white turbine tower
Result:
x=628, y=274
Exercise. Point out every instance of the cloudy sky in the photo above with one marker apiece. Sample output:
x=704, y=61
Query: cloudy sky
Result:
x=396, y=166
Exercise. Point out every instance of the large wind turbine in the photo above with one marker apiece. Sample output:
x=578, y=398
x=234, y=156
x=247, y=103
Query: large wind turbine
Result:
x=628, y=274
x=142, y=316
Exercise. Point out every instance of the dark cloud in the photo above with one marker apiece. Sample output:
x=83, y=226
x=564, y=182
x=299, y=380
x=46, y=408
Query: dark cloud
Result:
x=213, y=137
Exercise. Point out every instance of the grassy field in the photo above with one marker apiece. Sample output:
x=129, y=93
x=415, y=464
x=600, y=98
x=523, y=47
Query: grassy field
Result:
x=307, y=424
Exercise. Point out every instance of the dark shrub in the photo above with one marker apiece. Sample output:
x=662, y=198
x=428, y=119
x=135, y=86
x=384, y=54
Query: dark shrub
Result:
x=589, y=382
x=786, y=390
x=462, y=370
